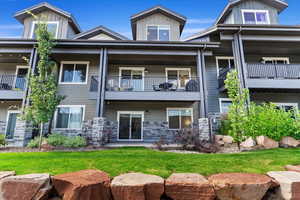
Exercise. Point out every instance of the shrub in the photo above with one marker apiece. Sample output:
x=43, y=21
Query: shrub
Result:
x=34, y=143
x=56, y=139
x=2, y=140
x=225, y=125
x=74, y=142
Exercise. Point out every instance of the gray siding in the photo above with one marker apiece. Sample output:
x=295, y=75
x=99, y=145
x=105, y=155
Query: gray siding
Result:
x=251, y=4
x=63, y=27
x=157, y=19
x=8, y=105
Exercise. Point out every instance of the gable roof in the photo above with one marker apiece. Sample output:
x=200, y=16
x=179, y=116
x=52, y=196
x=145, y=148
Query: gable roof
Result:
x=280, y=5
x=21, y=15
x=156, y=9
x=96, y=31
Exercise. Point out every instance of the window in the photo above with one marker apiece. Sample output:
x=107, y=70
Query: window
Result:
x=52, y=27
x=255, y=17
x=131, y=79
x=158, y=33
x=225, y=103
x=178, y=76
x=179, y=118
x=73, y=72
x=224, y=63
x=10, y=129
x=69, y=117
x=287, y=106
x=275, y=60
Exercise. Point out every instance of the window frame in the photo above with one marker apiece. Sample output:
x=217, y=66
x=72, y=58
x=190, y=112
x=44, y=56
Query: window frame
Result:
x=7, y=118
x=222, y=58
x=60, y=82
x=256, y=11
x=178, y=69
x=69, y=106
x=33, y=24
x=132, y=68
x=158, y=28
x=220, y=104
x=294, y=105
x=285, y=59
x=174, y=108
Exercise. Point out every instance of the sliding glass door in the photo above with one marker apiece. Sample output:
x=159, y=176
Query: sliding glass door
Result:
x=11, y=124
x=130, y=125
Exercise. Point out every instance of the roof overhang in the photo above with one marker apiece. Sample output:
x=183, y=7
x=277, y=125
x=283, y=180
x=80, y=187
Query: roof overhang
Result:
x=98, y=30
x=280, y=5
x=21, y=15
x=157, y=9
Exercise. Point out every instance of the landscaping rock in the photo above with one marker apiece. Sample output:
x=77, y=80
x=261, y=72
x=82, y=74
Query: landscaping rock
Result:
x=266, y=142
x=219, y=140
x=249, y=143
x=25, y=187
x=287, y=142
x=295, y=168
x=83, y=185
x=137, y=186
x=189, y=187
x=6, y=174
x=289, y=184
x=228, y=139
x=240, y=186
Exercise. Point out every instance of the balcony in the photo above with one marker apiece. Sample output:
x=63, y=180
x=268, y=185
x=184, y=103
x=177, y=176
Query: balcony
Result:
x=269, y=76
x=12, y=87
x=148, y=88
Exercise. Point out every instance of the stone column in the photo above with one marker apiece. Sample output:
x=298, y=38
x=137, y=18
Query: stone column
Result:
x=23, y=133
x=98, y=128
x=204, y=130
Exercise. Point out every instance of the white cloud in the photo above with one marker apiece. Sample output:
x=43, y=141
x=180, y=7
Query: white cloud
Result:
x=200, y=21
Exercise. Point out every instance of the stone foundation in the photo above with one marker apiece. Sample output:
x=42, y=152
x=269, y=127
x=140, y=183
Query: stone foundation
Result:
x=204, y=129
x=2, y=127
x=23, y=134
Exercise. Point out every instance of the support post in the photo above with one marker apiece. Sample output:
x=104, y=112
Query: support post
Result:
x=103, y=79
x=203, y=108
x=100, y=69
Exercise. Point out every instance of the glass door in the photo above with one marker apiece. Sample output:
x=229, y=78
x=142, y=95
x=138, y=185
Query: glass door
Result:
x=132, y=79
x=130, y=126
x=21, y=74
x=11, y=124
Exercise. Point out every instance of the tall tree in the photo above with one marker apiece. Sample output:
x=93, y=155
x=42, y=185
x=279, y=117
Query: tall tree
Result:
x=43, y=97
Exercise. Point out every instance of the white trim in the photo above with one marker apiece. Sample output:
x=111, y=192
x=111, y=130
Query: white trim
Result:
x=142, y=125
x=69, y=106
x=177, y=69
x=7, y=118
x=47, y=22
x=286, y=59
x=74, y=63
x=158, y=28
x=220, y=103
x=134, y=69
x=175, y=108
x=256, y=11
x=222, y=58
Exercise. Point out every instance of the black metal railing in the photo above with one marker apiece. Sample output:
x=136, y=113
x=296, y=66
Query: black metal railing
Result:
x=12, y=82
x=147, y=84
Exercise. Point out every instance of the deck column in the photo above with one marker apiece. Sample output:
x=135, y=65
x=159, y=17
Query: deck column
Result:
x=103, y=80
x=201, y=72
x=100, y=69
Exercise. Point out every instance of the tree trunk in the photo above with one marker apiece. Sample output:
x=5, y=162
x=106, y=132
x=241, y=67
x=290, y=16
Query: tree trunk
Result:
x=50, y=125
x=41, y=135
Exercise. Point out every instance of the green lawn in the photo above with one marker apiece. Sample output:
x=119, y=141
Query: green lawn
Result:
x=124, y=160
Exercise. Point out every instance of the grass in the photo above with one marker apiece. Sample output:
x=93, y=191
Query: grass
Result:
x=122, y=160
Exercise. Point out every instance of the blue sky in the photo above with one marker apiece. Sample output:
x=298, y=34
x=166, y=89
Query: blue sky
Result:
x=115, y=14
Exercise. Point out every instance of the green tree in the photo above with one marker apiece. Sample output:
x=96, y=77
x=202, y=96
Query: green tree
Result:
x=43, y=97
x=238, y=111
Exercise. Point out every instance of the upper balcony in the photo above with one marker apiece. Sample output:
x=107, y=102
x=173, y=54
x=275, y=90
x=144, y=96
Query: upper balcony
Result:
x=12, y=87
x=151, y=88
x=269, y=76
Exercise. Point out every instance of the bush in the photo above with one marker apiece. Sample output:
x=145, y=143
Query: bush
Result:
x=34, y=143
x=2, y=140
x=225, y=125
x=56, y=139
x=74, y=142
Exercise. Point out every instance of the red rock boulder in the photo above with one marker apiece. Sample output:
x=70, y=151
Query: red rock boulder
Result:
x=288, y=142
x=137, y=186
x=294, y=168
x=266, y=142
x=83, y=185
x=189, y=187
x=26, y=187
x=240, y=186
x=6, y=174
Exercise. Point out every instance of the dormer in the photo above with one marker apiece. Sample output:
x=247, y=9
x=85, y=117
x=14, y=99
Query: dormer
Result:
x=157, y=24
x=252, y=12
x=100, y=33
x=60, y=23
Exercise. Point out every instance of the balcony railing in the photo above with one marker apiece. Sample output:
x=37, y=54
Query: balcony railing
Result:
x=147, y=84
x=12, y=82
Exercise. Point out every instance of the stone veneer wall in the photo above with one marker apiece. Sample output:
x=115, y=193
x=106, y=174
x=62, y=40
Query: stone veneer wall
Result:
x=2, y=127
x=23, y=134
